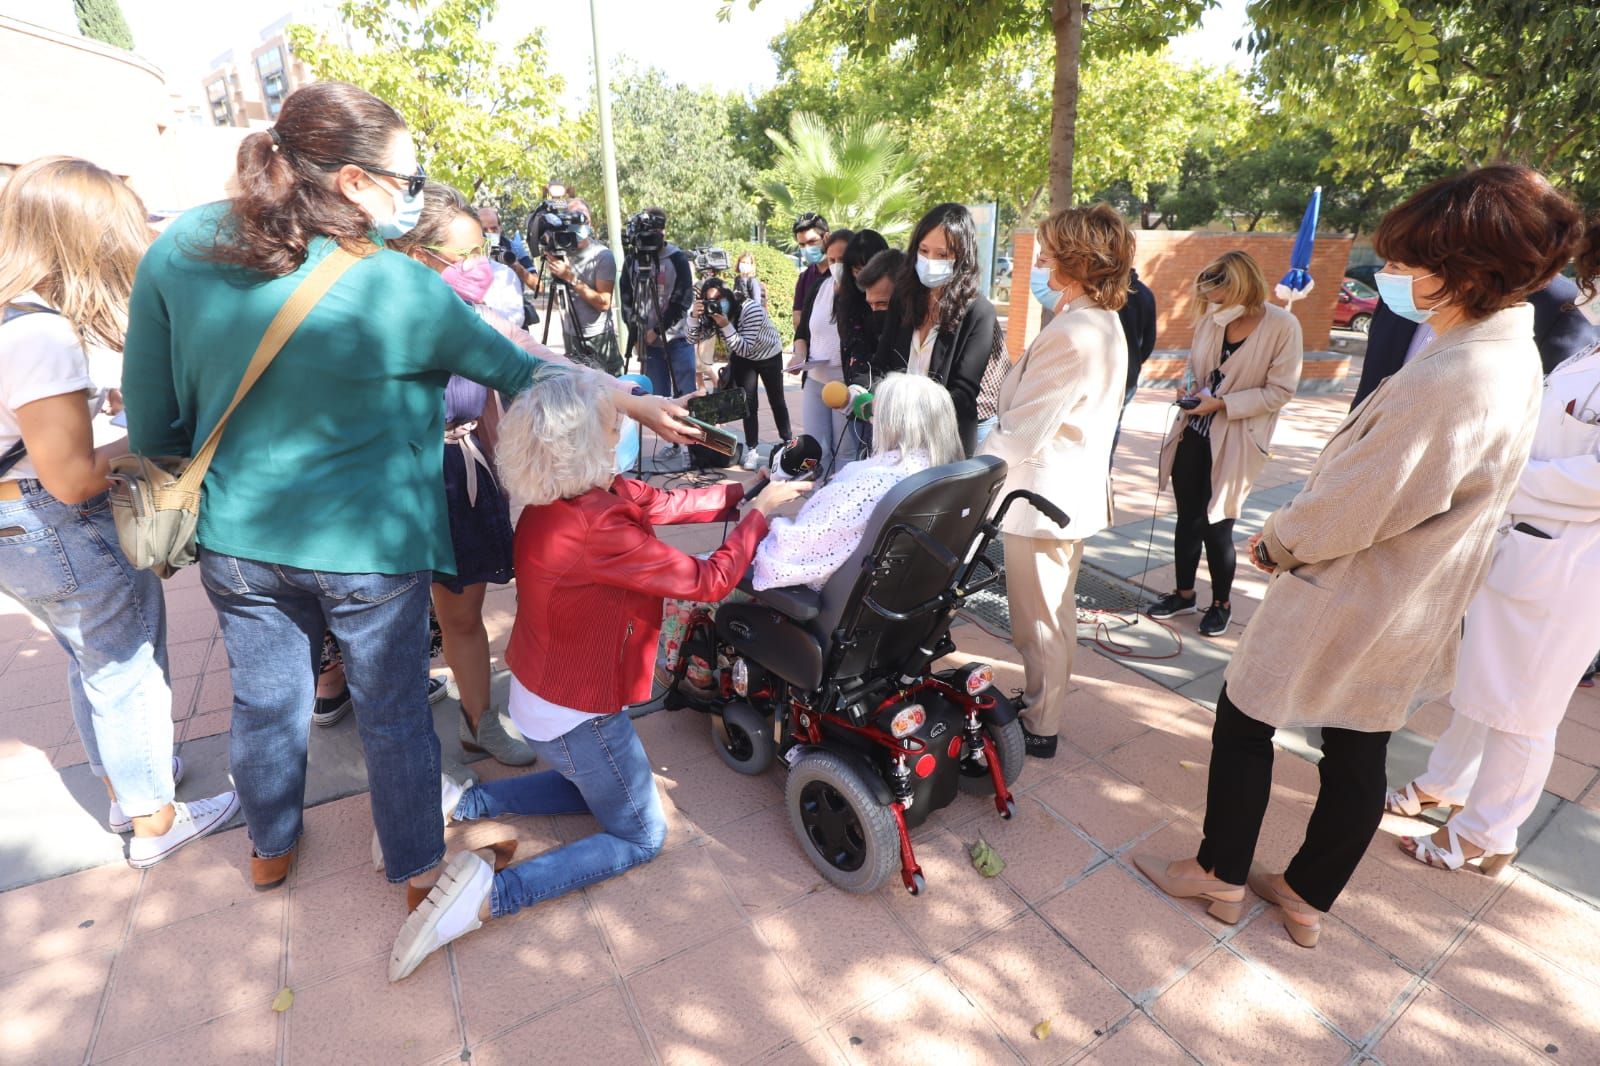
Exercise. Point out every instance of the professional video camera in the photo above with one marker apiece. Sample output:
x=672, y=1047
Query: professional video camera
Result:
x=644, y=236
x=717, y=295
x=553, y=228
x=710, y=261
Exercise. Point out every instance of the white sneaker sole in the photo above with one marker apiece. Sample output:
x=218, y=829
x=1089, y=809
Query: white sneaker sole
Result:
x=447, y=803
x=465, y=883
x=198, y=830
x=119, y=823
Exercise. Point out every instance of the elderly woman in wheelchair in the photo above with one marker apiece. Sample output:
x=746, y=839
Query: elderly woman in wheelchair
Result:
x=827, y=661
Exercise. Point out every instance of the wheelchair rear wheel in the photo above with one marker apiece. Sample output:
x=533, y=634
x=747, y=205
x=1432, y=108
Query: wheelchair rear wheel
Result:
x=742, y=735
x=846, y=833
x=1009, y=745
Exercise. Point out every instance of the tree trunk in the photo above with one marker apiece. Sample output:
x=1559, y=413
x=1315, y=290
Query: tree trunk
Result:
x=1066, y=17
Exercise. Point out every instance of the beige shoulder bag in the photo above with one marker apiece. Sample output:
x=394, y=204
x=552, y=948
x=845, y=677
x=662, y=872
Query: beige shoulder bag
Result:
x=156, y=501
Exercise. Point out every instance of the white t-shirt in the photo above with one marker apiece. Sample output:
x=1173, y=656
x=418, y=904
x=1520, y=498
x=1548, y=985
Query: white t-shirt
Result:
x=538, y=719
x=824, y=331
x=40, y=356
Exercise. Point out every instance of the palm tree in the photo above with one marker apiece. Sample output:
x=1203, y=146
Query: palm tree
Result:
x=857, y=175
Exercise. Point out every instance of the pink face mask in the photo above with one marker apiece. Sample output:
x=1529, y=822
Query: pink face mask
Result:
x=470, y=278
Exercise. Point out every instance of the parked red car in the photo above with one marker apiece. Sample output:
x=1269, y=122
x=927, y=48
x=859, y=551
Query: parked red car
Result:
x=1357, y=302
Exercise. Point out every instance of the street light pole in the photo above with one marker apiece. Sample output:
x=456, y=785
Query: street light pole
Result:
x=608, y=149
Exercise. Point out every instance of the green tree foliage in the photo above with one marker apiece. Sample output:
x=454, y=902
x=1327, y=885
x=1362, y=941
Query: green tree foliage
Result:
x=776, y=271
x=858, y=175
x=102, y=20
x=1457, y=82
x=674, y=151
x=479, y=118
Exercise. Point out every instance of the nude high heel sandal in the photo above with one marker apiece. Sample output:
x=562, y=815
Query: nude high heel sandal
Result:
x=1222, y=908
x=1304, y=934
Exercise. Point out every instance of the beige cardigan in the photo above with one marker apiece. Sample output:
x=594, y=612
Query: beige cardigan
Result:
x=1382, y=550
x=1258, y=380
x=1058, y=415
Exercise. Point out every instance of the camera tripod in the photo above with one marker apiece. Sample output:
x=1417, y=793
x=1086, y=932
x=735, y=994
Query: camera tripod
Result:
x=571, y=326
x=645, y=303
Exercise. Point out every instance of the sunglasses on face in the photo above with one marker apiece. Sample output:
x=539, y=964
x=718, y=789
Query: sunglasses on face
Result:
x=414, y=182
x=1211, y=279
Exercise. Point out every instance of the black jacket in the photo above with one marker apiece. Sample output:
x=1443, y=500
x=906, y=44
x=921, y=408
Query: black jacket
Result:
x=1559, y=329
x=1138, y=317
x=957, y=362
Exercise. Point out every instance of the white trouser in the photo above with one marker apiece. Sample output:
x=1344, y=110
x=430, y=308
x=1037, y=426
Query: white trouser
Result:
x=826, y=425
x=1041, y=578
x=1495, y=778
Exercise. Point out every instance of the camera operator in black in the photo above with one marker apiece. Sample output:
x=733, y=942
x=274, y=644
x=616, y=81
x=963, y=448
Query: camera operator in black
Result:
x=657, y=287
x=709, y=263
x=755, y=352
x=589, y=274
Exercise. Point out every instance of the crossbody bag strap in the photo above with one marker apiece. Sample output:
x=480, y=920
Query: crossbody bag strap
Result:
x=294, y=310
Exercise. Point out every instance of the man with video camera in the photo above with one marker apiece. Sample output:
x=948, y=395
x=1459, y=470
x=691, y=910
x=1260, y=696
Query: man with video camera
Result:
x=589, y=275
x=657, y=288
x=755, y=353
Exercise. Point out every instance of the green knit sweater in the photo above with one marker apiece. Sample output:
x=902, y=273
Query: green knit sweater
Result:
x=334, y=461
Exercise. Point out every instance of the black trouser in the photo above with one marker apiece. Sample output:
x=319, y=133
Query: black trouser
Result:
x=746, y=372
x=1191, y=488
x=1344, y=821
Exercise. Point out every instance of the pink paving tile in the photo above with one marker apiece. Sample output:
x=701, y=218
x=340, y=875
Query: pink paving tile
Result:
x=338, y=835
x=48, y=1012
x=927, y=1021
x=40, y=650
x=1138, y=1043
x=1533, y=999
x=1585, y=707
x=69, y=915
x=207, y=725
x=189, y=658
x=1557, y=926
x=818, y=1051
x=45, y=726
x=673, y=738
x=762, y=861
x=206, y=876
x=1169, y=766
x=1042, y=853
x=196, y=623
x=216, y=692
x=1092, y=725
x=1573, y=739
x=1436, y=1028
x=244, y=1038
x=672, y=903
x=1464, y=888
x=842, y=950
x=1131, y=934
x=1225, y=1011
x=958, y=904
x=516, y=967
x=69, y=754
x=1397, y=911
x=228, y=959
x=184, y=690
x=32, y=687
x=569, y=1036
x=1569, y=778
x=713, y=795
x=360, y=1017
x=1349, y=983
x=340, y=920
x=726, y=1000
x=1024, y=974
x=1110, y=808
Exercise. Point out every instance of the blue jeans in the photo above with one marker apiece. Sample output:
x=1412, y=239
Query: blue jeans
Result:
x=984, y=428
x=272, y=619
x=63, y=563
x=597, y=768
x=677, y=353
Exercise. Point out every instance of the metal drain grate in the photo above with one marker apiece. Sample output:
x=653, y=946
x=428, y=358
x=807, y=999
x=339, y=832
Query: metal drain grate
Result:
x=1096, y=591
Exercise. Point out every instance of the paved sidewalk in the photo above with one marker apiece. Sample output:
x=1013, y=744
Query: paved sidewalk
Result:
x=730, y=948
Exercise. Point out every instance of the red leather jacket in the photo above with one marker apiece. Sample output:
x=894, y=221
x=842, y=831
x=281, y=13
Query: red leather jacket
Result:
x=591, y=578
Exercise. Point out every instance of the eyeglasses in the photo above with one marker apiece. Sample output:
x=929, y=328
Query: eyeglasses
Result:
x=1211, y=279
x=414, y=182
x=454, y=255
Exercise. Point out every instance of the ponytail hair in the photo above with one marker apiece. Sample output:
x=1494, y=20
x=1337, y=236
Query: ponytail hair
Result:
x=1588, y=257
x=286, y=192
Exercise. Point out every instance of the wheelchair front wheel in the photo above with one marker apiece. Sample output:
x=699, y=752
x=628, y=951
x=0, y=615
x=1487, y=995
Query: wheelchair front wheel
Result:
x=1009, y=745
x=742, y=736
x=846, y=833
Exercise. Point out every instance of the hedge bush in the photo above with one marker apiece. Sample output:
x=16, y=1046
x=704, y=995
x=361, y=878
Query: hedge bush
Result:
x=777, y=273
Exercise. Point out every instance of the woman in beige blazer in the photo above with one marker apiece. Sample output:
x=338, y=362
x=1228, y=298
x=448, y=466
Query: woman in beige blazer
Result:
x=1376, y=559
x=1245, y=361
x=1058, y=411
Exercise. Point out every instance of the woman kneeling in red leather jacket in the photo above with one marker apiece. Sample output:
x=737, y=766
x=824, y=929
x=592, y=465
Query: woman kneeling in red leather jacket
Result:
x=591, y=578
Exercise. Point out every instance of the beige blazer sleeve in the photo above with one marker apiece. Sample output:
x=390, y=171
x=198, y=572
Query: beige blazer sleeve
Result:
x=1050, y=383
x=1283, y=376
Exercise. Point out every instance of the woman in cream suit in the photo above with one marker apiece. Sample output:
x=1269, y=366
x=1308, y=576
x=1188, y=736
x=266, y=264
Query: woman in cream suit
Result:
x=1528, y=633
x=1058, y=416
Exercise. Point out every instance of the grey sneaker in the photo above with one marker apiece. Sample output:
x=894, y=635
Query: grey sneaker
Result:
x=495, y=740
x=1171, y=605
x=121, y=823
x=1215, y=623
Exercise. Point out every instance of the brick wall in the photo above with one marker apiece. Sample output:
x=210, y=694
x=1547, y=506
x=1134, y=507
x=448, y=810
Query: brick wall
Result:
x=1168, y=260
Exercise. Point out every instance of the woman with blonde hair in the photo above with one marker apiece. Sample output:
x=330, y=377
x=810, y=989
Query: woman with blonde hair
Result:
x=70, y=239
x=1058, y=410
x=1245, y=365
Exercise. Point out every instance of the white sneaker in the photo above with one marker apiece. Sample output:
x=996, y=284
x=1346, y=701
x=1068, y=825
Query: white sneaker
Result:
x=121, y=823
x=190, y=822
x=449, y=912
x=752, y=458
x=450, y=793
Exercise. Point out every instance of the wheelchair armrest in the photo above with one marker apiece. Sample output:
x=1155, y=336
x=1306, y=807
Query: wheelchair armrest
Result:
x=796, y=601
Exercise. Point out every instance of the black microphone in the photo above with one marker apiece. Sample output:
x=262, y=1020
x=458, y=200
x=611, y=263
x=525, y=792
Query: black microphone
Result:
x=797, y=460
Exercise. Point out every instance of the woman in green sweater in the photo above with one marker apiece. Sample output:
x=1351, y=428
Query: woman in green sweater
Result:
x=323, y=506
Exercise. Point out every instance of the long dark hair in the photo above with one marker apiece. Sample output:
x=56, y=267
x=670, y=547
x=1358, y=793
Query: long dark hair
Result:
x=849, y=302
x=286, y=196
x=955, y=295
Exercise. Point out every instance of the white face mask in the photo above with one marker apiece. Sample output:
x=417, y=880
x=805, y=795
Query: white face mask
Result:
x=837, y=270
x=1223, y=315
x=934, y=272
x=1591, y=306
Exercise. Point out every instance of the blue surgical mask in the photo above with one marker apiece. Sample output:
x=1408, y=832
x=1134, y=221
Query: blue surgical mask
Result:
x=934, y=272
x=1043, y=291
x=407, y=209
x=812, y=254
x=1397, y=296
x=583, y=232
